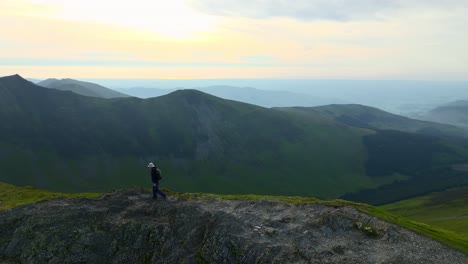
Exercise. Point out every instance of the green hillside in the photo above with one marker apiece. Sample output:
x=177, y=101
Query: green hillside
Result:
x=426, y=153
x=12, y=196
x=62, y=141
x=66, y=142
x=446, y=209
x=432, y=162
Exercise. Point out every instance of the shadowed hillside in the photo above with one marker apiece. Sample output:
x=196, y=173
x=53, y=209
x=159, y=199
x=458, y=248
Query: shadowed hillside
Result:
x=428, y=152
x=63, y=141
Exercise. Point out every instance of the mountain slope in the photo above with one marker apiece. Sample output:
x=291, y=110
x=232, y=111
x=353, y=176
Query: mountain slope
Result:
x=373, y=118
x=455, y=113
x=446, y=209
x=128, y=227
x=80, y=87
x=425, y=151
x=12, y=196
x=63, y=141
x=265, y=98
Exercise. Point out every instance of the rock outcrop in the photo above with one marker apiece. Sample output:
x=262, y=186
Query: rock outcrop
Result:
x=129, y=227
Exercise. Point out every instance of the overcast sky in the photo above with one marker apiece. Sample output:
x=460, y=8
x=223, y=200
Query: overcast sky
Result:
x=342, y=39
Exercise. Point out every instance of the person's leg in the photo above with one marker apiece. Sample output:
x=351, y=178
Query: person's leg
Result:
x=155, y=190
x=163, y=195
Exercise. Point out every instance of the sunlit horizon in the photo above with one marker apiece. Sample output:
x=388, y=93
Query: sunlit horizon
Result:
x=205, y=39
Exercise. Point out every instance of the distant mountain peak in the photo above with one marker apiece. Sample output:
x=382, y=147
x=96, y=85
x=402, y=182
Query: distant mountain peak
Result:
x=14, y=76
x=188, y=92
x=81, y=87
x=14, y=80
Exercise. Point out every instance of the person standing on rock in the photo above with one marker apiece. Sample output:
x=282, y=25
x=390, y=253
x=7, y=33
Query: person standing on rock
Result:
x=155, y=177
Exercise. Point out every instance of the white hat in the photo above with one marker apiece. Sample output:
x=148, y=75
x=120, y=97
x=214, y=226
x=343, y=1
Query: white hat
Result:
x=151, y=165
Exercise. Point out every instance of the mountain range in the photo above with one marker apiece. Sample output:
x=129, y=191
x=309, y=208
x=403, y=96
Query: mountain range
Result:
x=404, y=97
x=265, y=98
x=80, y=87
x=68, y=142
x=373, y=118
x=455, y=113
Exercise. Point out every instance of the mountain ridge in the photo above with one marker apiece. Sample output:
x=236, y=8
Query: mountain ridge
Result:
x=67, y=142
x=191, y=131
x=264, y=98
x=358, y=115
x=80, y=87
x=454, y=113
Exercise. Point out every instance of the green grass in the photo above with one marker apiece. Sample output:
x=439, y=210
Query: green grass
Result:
x=453, y=239
x=447, y=210
x=12, y=196
x=203, y=144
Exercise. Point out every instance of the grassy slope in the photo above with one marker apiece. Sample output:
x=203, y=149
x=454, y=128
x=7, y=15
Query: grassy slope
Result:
x=418, y=151
x=65, y=142
x=446, y=209
x=454, y=239
x=12, y=196
x=201, y=142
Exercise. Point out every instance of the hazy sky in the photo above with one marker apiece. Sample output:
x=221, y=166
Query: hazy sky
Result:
x=357, y=39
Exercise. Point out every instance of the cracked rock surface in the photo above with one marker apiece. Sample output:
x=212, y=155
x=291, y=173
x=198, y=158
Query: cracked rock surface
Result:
x=129, y=227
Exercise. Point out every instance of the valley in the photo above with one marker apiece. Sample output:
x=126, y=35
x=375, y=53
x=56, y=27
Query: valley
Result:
x=67, y=142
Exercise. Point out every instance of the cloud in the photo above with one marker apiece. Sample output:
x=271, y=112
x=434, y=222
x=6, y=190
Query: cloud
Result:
x=338, y=10
x=416, y=39
x=247, y=61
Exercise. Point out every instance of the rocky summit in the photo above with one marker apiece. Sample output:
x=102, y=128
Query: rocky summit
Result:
x=129, y=227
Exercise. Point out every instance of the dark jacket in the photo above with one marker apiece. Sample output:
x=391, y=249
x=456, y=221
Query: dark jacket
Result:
x=155, y=175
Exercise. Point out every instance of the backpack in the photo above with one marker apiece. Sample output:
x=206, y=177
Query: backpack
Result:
x=158, y=173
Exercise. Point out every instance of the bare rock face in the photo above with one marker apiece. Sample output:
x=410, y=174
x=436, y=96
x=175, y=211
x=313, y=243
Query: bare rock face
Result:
x=129, y=227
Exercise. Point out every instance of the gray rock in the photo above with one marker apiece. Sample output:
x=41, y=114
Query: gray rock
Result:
x=129, y=227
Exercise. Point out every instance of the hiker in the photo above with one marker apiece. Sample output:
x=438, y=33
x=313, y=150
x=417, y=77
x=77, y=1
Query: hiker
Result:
x=155, y=177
